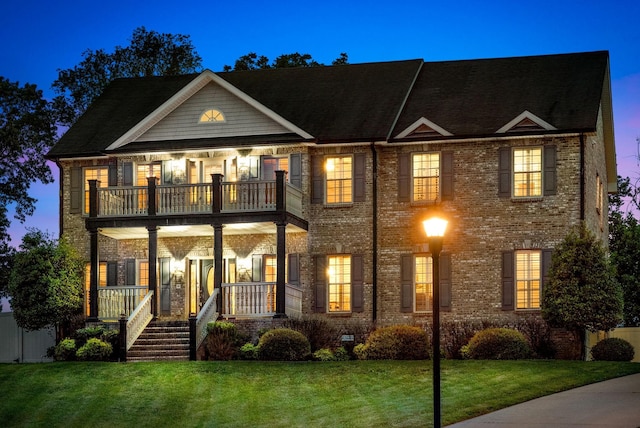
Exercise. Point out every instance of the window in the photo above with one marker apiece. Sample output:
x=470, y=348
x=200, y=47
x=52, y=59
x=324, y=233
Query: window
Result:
x=423, y=283
x=271, y=165
x=102, y=282
x=270, y=268
x=100, y=174
x=528, y=279
x=426, y=176
x=339, y=283
x=147, y=170
x=143, y=273
x=339, y=184
x=527, y=172
x=212, y=116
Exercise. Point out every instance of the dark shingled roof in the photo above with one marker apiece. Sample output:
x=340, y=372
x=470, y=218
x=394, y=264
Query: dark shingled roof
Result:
x=364, y=102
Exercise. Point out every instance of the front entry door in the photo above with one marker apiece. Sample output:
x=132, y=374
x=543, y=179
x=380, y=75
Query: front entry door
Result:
x=165, y=286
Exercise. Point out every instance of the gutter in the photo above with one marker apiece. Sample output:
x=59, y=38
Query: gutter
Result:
x=60, y=200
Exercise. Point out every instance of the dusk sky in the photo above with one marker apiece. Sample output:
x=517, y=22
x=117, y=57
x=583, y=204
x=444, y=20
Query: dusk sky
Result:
x=40, y=37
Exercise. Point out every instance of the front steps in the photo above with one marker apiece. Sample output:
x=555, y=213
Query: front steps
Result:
x=162, y=340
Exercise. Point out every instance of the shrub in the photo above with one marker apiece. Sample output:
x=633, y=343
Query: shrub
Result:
x=94, y=350
x=324, y=354
x=398, y=342
x=65, y=350
x=538, y=334
x=283, y=344
x=360, y=351
x=320, y=332
x=497, y=344
x=249, y=351
x=612, y=349
x=455, y=335
x=341, y=354
x=84, y=334
x=223, y=340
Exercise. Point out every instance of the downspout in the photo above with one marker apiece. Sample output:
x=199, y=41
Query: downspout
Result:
x=582, y=174
x=60, y=200
x=374, y=231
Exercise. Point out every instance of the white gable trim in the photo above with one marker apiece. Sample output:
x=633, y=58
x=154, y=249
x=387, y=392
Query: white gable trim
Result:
x=526, y=115
x=426, y=122
x=189, y=90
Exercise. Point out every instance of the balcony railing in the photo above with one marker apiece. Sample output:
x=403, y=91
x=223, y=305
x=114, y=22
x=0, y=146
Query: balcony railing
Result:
x=199, y=198
x=258, y=300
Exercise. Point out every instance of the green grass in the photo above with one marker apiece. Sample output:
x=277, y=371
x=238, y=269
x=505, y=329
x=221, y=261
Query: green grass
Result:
x=259, y=394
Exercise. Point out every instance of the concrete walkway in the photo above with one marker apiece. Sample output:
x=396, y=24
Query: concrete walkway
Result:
x=608, y=404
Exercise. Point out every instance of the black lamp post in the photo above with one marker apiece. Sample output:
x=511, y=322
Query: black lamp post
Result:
x=435, y=228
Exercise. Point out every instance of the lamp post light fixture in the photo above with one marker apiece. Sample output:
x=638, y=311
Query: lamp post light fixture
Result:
x=435, y=228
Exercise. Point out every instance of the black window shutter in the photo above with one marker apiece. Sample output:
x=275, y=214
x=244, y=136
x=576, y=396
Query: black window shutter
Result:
x=508, y=281
x=320, y=281
x=317, y=179
x=504, y=172
x=357, y=283
x=359, y=177
x=127, y=174
x=404, y=177
x=445, y=281
x=112, y=175
x=295, y=170
x=256, y=268
x=130, y=272
x=406, y=283
x=112, y=274
x=550, y=174
x=293, y=269
x=75, y=190
x=546, y=264
x=447, y=176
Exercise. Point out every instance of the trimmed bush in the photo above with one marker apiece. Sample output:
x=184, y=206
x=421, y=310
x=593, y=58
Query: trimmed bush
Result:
x=249, y=351
x=65, y=350
x=613, y=349
x=341, y=354
x=360, y=351
x=94, y=350
x=320, y=331
x=223, y=341
x=398, y=342
x=84, y=334
x=283, y=344
x=497, y=344
x=324, y=354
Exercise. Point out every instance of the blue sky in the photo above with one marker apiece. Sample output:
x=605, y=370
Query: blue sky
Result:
x=39, y=37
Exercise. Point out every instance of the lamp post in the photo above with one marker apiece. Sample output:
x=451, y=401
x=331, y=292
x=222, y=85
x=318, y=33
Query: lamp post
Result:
x=435, y=228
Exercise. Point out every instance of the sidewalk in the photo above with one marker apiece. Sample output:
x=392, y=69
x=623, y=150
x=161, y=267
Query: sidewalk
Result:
x=608, y=404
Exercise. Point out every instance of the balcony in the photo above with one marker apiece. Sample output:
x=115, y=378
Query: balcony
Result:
x=200, y=198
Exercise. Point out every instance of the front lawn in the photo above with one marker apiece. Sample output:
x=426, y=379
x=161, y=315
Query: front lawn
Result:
x=264, y=394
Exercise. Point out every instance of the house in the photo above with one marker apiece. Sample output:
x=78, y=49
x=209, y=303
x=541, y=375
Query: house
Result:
x=281, y=192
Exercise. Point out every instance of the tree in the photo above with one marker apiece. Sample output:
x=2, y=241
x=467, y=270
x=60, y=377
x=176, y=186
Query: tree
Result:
x=149, y=54
x=27, y=132
x=582, y=292
x=252, y=61
x=624, y=244
x=45, y=283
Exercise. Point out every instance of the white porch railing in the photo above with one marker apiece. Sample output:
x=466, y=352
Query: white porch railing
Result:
x=294, y=200
x=139, y=319
x=115, y=301
x=258, y=300
x=209, y=312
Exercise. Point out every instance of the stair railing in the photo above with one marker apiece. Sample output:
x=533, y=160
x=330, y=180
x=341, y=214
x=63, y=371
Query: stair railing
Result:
x=209, y=312
x=132, y=327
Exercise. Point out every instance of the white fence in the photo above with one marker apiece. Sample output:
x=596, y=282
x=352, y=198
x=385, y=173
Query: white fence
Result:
x=630, y=334
x=20, y=346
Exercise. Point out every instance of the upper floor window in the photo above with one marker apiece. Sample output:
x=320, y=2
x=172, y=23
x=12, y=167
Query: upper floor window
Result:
x=212, y=116
x=272, y=164
x=528, y=279
x=425, y=177
x=101, y=174
x=339, y=282
x=339, y=181
x=527, y=172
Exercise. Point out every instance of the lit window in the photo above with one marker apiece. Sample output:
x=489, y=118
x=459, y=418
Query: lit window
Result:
x=426, y=177
x=270, y=268
x=339, y=180
x=423, y=283
x=528, y=279
x=147, y=170
x=143, y=273
x=271, y=165
x=100, y=174
x=212, y=116
x=527, y=172
x=339, y=283
x=102, y=282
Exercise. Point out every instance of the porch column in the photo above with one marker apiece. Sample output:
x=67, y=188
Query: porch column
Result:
x=217, y=264
x=94, y=202
x=281, y=191
x=151, y=196
x=216, y=193
x=94, y=275
x=280, y=261
x=153, y=268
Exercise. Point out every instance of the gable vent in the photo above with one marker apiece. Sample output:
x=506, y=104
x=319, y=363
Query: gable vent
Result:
x=424, y=128
x=526, y=121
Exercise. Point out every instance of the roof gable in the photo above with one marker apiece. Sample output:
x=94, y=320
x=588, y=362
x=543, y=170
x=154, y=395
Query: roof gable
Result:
x=526, y=121
x=424, y=127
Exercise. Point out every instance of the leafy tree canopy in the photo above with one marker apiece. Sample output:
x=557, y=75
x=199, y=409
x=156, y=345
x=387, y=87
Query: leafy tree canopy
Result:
x=624, y=244
x=582, y=291
x=149, y=54
x=27, y=132
x=45, y=283
x=252, y=61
